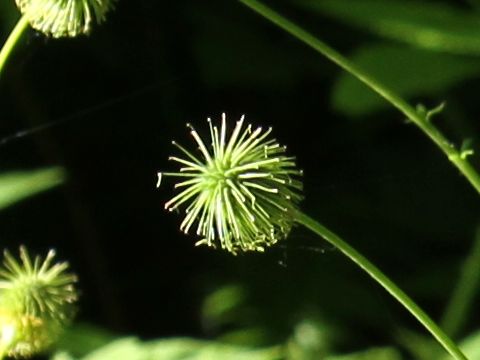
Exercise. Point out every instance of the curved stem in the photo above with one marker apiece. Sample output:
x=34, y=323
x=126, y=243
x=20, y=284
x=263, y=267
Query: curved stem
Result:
x=384, y=281
x=456, y=156
x=12, y=40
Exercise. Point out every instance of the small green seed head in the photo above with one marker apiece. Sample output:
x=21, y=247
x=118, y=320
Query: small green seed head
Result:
x=37, y=301
x=64, y=18
x=241, y=193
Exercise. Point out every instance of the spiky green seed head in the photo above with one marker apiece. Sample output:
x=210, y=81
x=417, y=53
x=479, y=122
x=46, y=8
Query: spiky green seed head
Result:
x=240, y=192
x=64, y=18
x=37, y=301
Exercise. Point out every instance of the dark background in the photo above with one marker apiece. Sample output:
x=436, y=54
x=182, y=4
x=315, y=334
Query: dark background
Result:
x=116, y=99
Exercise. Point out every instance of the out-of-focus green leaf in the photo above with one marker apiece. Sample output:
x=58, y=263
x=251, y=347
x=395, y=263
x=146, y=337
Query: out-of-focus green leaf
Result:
x=125, y=348
x=9, y=15
x=311, y=340
x=420, y=346
x=408, y=71
x=16, y=186
x=62, y=356
x=471, y=346
x=131, y=348
x=179, y=349
x=82, y=339
x=370, y=354
x=246, y=336
x=219, y=305
x=421, y=23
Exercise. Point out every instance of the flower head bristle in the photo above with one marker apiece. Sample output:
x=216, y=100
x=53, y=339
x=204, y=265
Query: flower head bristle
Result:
x=239, y=195
x=37, y=300
x=61, y=18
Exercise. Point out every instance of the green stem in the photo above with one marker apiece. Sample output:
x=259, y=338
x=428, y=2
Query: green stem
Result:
x=384, y=281
x=456, y=156
x=12, y=40
x=462, y=298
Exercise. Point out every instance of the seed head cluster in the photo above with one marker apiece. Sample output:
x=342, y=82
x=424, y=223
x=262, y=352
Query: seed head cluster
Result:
x=240, y=192
x=64, y=18
x=37, y=301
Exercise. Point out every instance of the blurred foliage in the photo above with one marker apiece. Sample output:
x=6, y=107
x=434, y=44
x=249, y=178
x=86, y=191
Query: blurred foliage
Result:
x=82, y=339
x=431, y=25
x=183, y=348
x=8, y=15
x=420, y=346
x=168, y=349
x=371, y=354
x=19, y=185
x=409, y=72
x=87, y=342
x=435, y=31
x=311, y=339
x=471, y=346
x=222, y=305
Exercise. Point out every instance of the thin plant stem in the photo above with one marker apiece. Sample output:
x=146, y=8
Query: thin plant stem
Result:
x=457, y=156
x=384, y=281
x=12, y=40
x=464, y=293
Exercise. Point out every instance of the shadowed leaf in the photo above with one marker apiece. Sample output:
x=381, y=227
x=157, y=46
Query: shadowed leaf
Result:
x=409, y=72
x=370, y=354
x=16, y=186
x=424, y=24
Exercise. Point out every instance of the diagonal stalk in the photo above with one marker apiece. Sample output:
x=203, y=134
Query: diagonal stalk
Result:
x=12, y=40
x=456, y=156
x=384, y=281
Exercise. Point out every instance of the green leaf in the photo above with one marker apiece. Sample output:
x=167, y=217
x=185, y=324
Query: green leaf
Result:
x=132, y=348
x=370, y=354
x=82, y=339
x=219, y=307
x=425, y=24
x=177, y=349
x=311, y=339
x=16, y=186
x=408, y=71
x=62, y=356
x=9, y=15
x=471, y=346
x=420, y=345
x=125, y=348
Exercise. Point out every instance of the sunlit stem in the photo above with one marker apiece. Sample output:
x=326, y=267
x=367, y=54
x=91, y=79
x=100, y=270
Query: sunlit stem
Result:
x=384, y=281
x=12, y=40
x=456, y=156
